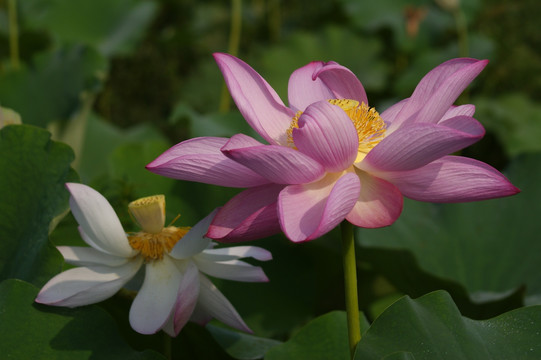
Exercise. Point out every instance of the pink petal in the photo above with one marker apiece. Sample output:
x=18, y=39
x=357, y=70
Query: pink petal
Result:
x=188, y=293
x=231, y=270
x=416, y=145
x=323, y=81
x=155, y=300
x=305, y=89
x=438, y=90
x=249, y=215
x=201, y=160
x=379, y=204
x=342, y=82
x=390, y=114
x=452, y=179
x=309, y=211
x=212, y=303
x=328, y=135
x=98, y=220
x=447, y=93
x=194, y=241
x=461, y=110
x=256, y=100
x=466, y=124
x=277, y=164
x=87, y=285
x=87, y=256
x=237, y=252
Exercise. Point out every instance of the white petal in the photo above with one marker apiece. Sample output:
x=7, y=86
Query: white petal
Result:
x=236, y=252
x=194, y=241
x=155, y=301
x=213, y=303
x=87, y=285
x=98, y=220
x=199, y=316
x=232, y=270
x=87, y=256
x=188, y=294
x=168, y=327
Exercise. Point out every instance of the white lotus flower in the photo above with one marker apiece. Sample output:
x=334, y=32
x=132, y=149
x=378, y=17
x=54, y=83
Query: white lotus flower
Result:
x=175, y=288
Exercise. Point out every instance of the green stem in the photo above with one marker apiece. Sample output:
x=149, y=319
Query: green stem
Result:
x=350, y=283
x=233, y=49
x=167, y=351
x=13, y=34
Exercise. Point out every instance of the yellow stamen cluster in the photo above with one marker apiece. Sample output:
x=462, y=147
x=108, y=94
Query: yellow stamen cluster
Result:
x=369, y=125
x=153, y=246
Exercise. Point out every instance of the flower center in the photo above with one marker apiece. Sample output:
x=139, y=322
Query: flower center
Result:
x=154, y=240
x=369, y=125
x=153, y=246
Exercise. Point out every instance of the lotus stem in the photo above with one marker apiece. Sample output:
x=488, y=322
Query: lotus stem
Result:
x=350, y=284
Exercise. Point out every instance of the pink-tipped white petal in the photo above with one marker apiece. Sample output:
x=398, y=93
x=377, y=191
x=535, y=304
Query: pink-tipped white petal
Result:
x=342, y=82
x=257, y=101
x=87, y=285
x=236, y=252
x=194, y=241
x=416, y=145
x=188, y=293
x=327, y=134
x=212, y=303
x=201, y=160
x=311, y=210
x=87, y=256
x=277, y=164
x=461, y=110
x=305, y=88
x=379, y=204
x=155, y=300
x=199, y=316
x=249, y=215
x=98, y=220
x=438, y=90
x=231, y=270
x=452, y=179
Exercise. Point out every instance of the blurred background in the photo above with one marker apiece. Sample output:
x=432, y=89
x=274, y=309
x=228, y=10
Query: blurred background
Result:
x=122, y=81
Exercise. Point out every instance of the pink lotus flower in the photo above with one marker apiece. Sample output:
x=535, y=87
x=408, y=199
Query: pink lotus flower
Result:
x=331, y=157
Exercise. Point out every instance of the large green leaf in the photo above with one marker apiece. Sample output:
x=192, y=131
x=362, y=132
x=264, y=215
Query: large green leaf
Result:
x=35, y=331
x=431, y=327
x=514, y=119
x=113, y=27
x=323, y=338
x=242, y=346
x=51, y=88
x=489, y=247
x=34, y=171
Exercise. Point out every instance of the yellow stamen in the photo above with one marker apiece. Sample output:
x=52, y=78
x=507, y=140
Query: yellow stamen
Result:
x=153, y=246
x=369, y=125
